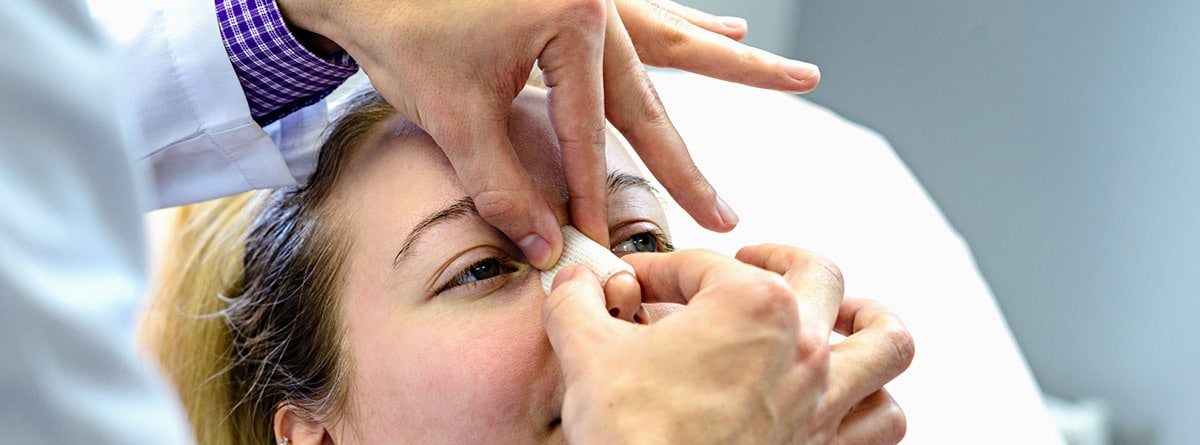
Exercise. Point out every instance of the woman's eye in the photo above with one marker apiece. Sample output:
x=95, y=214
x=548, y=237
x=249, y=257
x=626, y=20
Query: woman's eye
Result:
x=642, y=242
x=481, y=270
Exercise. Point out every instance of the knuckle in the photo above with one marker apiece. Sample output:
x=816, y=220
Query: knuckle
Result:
x=772, y=298
x=653, y=111
x=903, y=347
x=796, y=257
x=594, y=138
x=588, y=13
x=747, y=56
x=649, y=114
x=689, y=178
x=817, y=351
x=773, y=288
x=828, y=267
x=779, y=289
x=500, y=206
x=591, y=138
x=896, y=424
x=671, y=41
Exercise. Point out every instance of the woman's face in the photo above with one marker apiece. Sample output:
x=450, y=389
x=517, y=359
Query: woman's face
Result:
x=442, y=313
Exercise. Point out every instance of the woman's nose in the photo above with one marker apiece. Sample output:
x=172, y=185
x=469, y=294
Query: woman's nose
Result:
x=623, y=296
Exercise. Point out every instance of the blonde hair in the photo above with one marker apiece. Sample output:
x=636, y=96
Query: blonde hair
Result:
x=245, y=315
x=182, y=328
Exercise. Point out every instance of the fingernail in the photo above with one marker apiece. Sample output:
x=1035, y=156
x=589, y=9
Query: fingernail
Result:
x=563, y=276
x=536, y=250
x=736, y=23
x=727, y=215
x=802, y=71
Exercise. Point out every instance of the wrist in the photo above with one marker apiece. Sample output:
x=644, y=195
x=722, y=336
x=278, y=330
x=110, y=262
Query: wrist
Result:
x=278, y=73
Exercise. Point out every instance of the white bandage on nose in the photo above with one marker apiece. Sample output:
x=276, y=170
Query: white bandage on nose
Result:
x=579, y=249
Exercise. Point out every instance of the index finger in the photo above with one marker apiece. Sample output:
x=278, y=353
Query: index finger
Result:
x=877, y=349
x=637, y=112
x=571, y=67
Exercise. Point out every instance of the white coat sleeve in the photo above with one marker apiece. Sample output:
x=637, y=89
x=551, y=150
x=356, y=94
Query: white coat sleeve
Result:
x=185, y=110
x=72, y=259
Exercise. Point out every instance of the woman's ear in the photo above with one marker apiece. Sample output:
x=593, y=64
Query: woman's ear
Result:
x=291, y=424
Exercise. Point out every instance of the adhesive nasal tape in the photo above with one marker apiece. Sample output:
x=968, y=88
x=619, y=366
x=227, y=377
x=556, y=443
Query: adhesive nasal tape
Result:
x=579, y=249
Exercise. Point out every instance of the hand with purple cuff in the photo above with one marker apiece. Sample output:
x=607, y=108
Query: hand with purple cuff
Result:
x=454, y=68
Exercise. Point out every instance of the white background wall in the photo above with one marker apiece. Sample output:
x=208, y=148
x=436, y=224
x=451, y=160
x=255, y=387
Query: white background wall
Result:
x=1062, y=138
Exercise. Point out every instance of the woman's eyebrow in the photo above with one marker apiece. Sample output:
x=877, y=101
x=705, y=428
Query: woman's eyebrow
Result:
x=618, y=181
x=464, y=207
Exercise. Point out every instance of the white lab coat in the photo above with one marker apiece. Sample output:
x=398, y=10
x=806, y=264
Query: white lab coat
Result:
x=72, y=260
x=186, y=111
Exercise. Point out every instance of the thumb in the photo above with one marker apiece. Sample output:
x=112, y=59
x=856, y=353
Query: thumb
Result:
x=576, y=318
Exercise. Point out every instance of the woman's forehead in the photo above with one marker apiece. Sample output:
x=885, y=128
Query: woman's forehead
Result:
x=534, y=150
x=399, y=177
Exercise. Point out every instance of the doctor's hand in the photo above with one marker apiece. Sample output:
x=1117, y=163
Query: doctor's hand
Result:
x=666, y=34
x=748, y=360
x=454, y=66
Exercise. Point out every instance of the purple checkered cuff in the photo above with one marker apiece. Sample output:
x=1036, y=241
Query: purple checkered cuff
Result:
x=277, y=73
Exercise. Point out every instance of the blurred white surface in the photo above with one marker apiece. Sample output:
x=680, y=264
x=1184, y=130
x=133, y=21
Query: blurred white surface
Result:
x=1084, y=422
